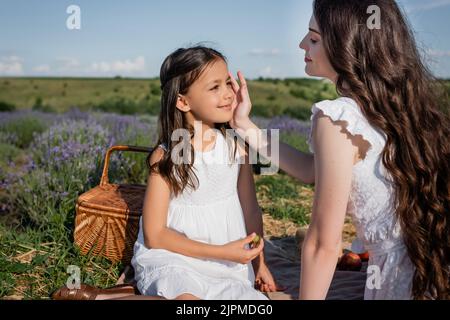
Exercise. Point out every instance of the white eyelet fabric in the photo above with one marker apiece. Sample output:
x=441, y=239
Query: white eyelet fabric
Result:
x=210, y=214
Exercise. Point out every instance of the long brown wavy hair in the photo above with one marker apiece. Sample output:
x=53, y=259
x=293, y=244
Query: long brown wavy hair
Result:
x=178, y=72
x=383, y=71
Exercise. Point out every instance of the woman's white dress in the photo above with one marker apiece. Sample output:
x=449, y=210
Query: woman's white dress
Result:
x=371, y=206
x=210, y=214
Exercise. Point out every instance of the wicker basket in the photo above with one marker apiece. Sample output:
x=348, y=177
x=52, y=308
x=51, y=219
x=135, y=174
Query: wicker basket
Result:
x=107, y=216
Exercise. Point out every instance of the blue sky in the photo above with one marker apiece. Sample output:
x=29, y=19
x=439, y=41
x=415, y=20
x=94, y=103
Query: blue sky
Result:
x=132, y=38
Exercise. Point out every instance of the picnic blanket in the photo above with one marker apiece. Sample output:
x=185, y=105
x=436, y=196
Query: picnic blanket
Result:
x=283, y=259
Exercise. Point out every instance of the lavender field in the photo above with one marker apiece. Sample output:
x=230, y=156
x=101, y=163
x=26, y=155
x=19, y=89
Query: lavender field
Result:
x=48, y=159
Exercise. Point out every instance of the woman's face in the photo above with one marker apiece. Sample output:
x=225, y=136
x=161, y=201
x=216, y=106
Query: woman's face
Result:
x=317, y=63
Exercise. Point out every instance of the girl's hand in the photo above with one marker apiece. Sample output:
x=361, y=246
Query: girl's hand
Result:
x=237, y=251
x=264, y=281
x=242, y=105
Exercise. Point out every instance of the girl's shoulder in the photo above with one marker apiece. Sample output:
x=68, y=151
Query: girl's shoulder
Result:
x=348, y=112
x=157, y=154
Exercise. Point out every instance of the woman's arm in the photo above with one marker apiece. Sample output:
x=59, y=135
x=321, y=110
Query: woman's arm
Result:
x=294, y=162
x=254, y=223
x=247, y=197
x=158, y=236
x=334, y=162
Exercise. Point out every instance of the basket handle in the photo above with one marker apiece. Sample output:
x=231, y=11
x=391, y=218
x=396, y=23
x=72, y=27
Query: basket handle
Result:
x=104, y=180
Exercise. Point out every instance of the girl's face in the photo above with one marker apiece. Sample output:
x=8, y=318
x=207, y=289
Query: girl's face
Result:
x=317, y=63
x=210, y=97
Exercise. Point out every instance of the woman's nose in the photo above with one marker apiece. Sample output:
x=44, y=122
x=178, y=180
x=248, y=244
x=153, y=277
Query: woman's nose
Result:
x=302, y=45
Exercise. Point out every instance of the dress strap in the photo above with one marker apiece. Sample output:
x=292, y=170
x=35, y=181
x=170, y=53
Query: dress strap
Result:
x=164, y=147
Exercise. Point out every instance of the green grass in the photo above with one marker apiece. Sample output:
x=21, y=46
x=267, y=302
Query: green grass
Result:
x=51, y=250
x=282, y=196
x=296, y=141
x=270, y=98
x=34, y=259
x=23, y=129
x=36, y=246
x=36, y=234
x=33, y=263
x=62, y=93
x=8, y=153
x=280, y=97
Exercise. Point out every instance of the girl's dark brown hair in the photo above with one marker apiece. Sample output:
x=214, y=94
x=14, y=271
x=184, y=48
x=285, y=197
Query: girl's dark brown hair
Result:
x=382, y=70
x=178, y=72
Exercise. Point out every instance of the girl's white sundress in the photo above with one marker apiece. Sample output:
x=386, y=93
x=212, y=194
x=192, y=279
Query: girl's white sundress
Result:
x=210, y=214
x=371, y=206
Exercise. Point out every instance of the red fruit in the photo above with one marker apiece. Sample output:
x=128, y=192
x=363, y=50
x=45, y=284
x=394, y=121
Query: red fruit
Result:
x=350, y=262
x=345, y=251
x=364, y=256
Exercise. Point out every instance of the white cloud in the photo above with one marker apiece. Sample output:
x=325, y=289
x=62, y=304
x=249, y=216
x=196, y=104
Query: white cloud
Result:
x=266, y=72
x=428, y=5
x=11, y=65
x=68, y=64
x=272, y=72
x=265, y=52
x=125, y=66
x=438, y=53
x=42, y=68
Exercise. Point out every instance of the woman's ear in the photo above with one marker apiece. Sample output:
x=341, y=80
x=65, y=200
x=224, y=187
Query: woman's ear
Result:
x=182, y=104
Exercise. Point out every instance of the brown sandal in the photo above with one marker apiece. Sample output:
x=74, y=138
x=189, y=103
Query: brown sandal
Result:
x=88, y=292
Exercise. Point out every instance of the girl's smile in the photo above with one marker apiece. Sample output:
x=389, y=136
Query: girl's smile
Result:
x=226, y=107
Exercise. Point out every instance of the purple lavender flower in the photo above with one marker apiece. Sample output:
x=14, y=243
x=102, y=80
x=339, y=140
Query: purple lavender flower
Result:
x=66, y=159
x=289, y=125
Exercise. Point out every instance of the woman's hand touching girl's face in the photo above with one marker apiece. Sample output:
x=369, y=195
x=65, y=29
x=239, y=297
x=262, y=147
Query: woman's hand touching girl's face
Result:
x=242, y=104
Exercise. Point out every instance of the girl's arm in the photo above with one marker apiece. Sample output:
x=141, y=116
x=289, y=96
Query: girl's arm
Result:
x=158, y=236
x=297, y=164
x=333, y=162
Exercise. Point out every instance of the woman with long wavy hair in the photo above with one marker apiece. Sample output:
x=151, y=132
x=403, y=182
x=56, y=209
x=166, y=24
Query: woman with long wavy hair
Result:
x=380, y=152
